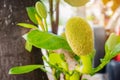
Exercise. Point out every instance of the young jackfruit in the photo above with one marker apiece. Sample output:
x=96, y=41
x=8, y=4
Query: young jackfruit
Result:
x=79, y=36
x=76, y=3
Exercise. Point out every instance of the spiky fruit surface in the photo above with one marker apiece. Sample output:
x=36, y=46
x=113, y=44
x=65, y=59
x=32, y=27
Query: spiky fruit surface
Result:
x=76, y=3
x=79, y=36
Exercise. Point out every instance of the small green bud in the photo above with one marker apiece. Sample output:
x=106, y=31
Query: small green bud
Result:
x=41, y=9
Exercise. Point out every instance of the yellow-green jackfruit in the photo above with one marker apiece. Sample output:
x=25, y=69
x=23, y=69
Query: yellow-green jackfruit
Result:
x=76, y=3
x=79, y=36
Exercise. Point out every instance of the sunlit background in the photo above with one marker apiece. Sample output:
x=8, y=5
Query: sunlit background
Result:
x=96, y=12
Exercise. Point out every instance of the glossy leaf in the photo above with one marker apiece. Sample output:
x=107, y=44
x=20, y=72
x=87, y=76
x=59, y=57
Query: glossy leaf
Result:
x=25, y=69
x=31, y=11
x=47, y=40
x=41, y=9
x=28, y=46
x=26, y=25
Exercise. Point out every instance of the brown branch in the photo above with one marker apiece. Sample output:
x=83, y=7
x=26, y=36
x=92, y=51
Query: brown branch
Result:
x=81, y=77
x=57, y=16
x=54, y=22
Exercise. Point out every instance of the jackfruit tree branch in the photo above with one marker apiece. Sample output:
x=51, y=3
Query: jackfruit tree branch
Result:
x=54, y=22
x=101, y=66
x=57, y=14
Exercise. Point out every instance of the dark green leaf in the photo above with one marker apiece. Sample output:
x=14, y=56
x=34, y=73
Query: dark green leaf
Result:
x=25, y=69
x=28, y=46
x=46, y=40
x=57, y=74
x=31, y=11
x=26, y=25
x=77, y=58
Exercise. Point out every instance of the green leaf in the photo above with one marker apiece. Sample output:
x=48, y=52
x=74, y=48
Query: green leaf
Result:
x=25, y=69
x=75, y=76
x=57, y=59
x=112, y=48
x=28, y=46
x=57, y=74
x=115, y=51
x=41, y=9
x=112, y=41
x=47, y=40
x=77, y=58
x=26, y=25
x=31, y=11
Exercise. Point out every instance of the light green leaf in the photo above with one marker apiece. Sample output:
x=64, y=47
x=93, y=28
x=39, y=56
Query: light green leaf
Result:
x=28, y=46
x=26, y=25
x=25, y=69
x=47, y=40
x=115, y=51
x=57, y=59
x=112, y=48
x=41, y=9
x=75, y=76
x=112, y=41
x=111, y=45
x=31, y=11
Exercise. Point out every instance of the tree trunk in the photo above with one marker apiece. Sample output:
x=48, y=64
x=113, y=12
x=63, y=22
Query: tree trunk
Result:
x=12, y=51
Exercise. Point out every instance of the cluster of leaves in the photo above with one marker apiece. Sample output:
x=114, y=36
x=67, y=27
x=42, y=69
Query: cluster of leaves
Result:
x=39, y=37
